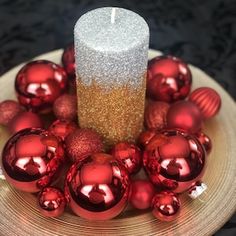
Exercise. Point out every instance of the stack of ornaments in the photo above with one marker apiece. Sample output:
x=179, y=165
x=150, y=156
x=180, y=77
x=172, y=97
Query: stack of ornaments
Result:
x=172, y=148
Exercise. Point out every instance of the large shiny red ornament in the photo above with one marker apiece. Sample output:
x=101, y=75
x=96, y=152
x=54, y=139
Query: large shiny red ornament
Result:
x=31, y=159
x=155, y=115
x=8, y=110
x=205, y=141
x=51, y=202
x=175, y=160
x=184, y=115
x=39, y=83
x=166, y=206
x=145, y=137
x=97, y=187
x=207, y=100
x=168, y=79
x=82, y=143
x=68, y=61
x=142, y=192
x=23, y=120
x=129, y=154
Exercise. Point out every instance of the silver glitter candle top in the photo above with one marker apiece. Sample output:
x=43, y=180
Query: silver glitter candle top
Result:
x=111, y=47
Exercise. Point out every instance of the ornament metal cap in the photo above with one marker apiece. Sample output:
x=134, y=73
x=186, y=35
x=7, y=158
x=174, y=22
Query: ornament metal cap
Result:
x=198, y=189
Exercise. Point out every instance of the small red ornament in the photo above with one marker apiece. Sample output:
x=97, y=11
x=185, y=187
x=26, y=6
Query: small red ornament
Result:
x=145, y=137
x=175, y=160
x=31, y=159
x=205, y=141
x=129, y=154
x=208, y=101
x=51, y=202
x=68, y=61
x=23, y=120
x=155, y=115
x=166, y=206
x=65, y=107
x=168, y=79
x=184, y=115
x=8, y=110
x=39, y=83
x=97, y=187
x=142, y=192
x=82, y=143
x=62, y=128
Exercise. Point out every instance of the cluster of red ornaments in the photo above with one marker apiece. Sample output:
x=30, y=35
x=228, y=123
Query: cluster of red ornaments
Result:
x=172, y=150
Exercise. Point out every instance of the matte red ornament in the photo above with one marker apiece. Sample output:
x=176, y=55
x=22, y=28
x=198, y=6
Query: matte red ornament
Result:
x=31, y=159
x=51, y=202
x=65, y=107
x=129, y=154
x=39, y=83
x=23, y=120
x=97, y=187
x=155, y=115
x=82, y=143
x=175, y=160
x=205, y=141
x=166, y=206
x=142, y=192
x=8, y=110
x=207, y=100
x=62, y=128
x=68, y=60
x=169, y=79
x=145, y=137
x=184, y=115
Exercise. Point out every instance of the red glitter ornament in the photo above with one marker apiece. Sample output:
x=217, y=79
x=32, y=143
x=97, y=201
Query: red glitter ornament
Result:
x=207, y=100
x=184, y=115
x=129, y=154
x=205, y=141
x=166, y=206
x=82, y=143
x=155, y=115
x=97, y=187
x=145, y=137
x=8, y=110
x=39, y=83
x=62, y=128
x=65, y=107
x=23, y=120
x=68, y=61
x=175, y=160
x=31, y=159
x=142, y=192
x=168, y=79
x=51, y=202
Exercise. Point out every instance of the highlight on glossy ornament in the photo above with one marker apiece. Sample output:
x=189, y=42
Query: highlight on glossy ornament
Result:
x=205, y=141
x=39, y=83
x=174, y=160
x=52, y=202
x=169, y=79
x=145, y=137
x=31, y=159
x=68, y=60
x=166, y=206
x=97, y=187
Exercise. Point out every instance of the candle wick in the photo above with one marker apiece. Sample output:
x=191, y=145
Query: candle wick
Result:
x=113, y=14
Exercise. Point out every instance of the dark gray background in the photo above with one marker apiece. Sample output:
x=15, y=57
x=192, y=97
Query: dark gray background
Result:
x=202, y=32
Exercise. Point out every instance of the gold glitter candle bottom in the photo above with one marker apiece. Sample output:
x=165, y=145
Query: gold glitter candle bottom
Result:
x=116, y=112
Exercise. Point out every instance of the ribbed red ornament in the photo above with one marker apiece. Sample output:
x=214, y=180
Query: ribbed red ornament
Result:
x=208, y=101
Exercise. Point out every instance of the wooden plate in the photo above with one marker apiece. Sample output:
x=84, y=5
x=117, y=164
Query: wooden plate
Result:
x=20, y=216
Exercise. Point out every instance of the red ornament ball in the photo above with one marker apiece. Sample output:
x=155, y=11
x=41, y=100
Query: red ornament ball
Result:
x=174, y=160
x=31, y=159
x=39, y=83
x=23, y=120
x=68, y=61
x=168, y=79
x=62, y=128
x=205, y=141
x=65, y=107
x=166, y=206
x=8, y=110
x=82, y=143
x=97, y=187
x=184, y=115
x=51, y=202
x=145, y=137
x=155, y=115
x=207, y=100
x=142, y=192
x=129, y=154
